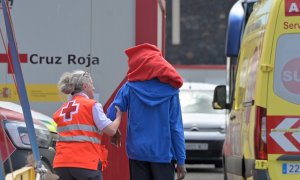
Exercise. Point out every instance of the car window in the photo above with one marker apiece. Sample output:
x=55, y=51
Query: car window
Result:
x=197, y=101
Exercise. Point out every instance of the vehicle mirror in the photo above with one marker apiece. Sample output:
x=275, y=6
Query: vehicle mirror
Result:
x=219, y=101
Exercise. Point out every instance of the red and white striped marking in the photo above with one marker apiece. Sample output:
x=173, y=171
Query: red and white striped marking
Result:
x=287, y=134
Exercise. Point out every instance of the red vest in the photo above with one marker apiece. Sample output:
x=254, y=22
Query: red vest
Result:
x=79, y=142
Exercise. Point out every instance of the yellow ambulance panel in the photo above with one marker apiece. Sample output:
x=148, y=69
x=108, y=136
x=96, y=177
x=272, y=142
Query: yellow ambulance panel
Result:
x=263, y=135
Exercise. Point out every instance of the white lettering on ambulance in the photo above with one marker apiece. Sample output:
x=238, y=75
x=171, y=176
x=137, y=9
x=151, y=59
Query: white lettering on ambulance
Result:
x=289, y=76
x=36, y=59
x=293, y=8
x=87, y=61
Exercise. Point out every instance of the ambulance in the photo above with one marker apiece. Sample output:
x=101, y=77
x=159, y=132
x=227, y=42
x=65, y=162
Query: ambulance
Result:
x=262, y=96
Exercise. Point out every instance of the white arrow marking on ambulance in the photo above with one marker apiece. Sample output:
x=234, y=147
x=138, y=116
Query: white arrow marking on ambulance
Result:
x=279, y=137
x=296, y=135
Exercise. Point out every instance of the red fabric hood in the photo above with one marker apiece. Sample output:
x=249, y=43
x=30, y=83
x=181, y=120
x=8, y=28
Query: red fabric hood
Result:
x=146, y=62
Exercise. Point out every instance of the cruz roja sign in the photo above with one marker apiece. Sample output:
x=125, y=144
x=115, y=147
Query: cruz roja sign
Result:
x=87, y=61
x=36, y=59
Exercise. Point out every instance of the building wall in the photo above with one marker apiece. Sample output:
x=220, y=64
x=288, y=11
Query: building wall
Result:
x=202, y=32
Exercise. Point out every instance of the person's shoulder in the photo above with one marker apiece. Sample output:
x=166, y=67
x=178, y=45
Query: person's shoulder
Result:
x=126, y=85
x=87, y=101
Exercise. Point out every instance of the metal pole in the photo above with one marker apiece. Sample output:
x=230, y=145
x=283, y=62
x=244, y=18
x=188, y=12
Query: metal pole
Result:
x=20, y=84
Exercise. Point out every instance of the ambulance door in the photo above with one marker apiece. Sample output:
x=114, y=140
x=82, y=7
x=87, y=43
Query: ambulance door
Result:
x=283, y=98
x=233, y=147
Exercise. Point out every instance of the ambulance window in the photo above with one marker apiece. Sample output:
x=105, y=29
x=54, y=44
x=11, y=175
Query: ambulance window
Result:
x=232, y=77
x=248, y=9
x=252, y=74
x=240, y=86
x=287, y=68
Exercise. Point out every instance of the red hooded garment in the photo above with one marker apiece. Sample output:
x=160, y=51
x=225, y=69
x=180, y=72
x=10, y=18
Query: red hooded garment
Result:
x=146, y=62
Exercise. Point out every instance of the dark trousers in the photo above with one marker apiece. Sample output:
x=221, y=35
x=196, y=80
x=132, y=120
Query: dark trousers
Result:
x=142, y=170
x=71, y=173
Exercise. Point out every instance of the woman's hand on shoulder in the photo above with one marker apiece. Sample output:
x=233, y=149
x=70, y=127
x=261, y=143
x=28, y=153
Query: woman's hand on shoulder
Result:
x=118, y=113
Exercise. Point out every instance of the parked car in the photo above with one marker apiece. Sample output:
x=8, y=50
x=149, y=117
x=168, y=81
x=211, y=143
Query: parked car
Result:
x=46, y=120
x=14, y=140
x=204, y=127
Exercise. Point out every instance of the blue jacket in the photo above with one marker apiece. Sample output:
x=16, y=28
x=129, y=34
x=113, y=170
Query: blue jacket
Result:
x=154, y=129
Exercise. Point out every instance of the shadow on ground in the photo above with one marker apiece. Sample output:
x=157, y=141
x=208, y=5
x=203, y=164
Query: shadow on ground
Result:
x=203, y=168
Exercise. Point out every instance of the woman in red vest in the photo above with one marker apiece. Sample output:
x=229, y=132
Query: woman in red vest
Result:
x=80, y=125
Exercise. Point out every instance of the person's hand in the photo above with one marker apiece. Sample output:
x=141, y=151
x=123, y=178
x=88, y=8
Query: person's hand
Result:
x=116, y=139
x=181, y=172
x=119, y=113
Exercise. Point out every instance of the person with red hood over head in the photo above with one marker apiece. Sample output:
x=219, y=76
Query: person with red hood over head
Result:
x=155, y=136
